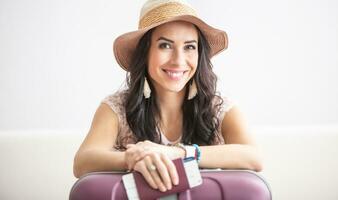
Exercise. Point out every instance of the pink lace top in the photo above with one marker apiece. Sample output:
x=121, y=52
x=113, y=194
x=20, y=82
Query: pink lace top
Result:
x=125, y=136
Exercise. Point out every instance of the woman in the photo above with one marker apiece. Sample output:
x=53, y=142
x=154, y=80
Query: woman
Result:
x=170, y=108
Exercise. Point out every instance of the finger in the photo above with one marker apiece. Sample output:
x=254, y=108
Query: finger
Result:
x=144, y=153
x=154, y=174
x=162, y=170
x=139, y=143
x=133, y=154
x=142, y=168
x=130, y=145
x=136, y=158
x=139, y=154
x=171, y=169
x=130, y=159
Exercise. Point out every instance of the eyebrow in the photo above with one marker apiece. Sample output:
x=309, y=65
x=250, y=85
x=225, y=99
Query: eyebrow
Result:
x=171, y=41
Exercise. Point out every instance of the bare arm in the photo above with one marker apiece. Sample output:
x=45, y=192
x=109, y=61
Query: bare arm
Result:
x=95, y=153
x=239, y=152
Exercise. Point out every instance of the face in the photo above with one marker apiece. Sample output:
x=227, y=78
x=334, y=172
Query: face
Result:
x=173, y=56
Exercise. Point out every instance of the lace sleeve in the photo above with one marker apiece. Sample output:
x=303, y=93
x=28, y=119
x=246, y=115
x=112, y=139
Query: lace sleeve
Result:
x=116, y=103
x=226, y=104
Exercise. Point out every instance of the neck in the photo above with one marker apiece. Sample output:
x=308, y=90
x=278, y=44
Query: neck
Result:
x=170, y=105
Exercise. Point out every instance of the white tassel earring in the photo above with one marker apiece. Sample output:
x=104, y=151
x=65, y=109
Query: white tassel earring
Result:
x=146, y=89
x=192, y=90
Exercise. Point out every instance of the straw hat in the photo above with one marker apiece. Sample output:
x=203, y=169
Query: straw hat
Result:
x=157, y=12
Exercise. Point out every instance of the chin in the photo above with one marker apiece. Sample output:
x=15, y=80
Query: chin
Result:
x=175, y=89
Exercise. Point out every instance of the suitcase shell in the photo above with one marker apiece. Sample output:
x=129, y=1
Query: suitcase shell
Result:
x=217, y=184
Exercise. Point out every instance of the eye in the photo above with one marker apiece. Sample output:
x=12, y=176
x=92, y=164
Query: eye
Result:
x=164, y=45
x=190, y=47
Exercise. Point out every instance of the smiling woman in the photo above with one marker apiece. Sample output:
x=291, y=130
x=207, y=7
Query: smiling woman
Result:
x=170, y=108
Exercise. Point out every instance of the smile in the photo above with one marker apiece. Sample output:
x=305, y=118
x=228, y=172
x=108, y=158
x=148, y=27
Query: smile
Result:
x=174, y=75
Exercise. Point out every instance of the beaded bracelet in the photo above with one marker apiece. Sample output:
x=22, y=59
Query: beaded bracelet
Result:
x=190, y=150
x=198, y=152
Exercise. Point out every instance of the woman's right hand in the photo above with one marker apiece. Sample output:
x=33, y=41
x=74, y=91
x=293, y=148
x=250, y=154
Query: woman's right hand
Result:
x=136, y=152
x=133, y=154
x=158, y=170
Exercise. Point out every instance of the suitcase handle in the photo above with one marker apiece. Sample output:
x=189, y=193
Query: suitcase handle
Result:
x=114, y=189
x=219, y=185
x=187, y=194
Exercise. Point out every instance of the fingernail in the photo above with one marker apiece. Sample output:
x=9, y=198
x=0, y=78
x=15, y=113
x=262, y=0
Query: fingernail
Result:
x=163, y=189
x=169, y=187
x=176, y=182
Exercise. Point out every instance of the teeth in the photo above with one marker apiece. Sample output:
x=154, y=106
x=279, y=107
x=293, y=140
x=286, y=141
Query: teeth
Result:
x=174, y=74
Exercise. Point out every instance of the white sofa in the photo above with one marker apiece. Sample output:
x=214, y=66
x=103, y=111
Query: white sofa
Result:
x=300, y=162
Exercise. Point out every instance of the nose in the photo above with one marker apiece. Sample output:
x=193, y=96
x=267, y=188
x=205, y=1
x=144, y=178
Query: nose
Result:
x=178, y=58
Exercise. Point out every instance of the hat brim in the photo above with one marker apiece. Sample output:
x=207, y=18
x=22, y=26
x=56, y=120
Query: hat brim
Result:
x=125, y=45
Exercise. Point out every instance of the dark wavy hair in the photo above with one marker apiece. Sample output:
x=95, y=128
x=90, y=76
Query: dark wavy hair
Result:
x=200, y=122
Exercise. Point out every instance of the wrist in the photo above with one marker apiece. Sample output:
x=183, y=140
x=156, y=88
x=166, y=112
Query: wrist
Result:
x=125, y=163
x=180, y=151
x=176, y=152
x=190, y=151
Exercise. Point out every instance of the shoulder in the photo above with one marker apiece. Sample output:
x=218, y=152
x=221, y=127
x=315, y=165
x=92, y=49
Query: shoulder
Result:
x=234, y=127
x=224, y=104
x=115, y=97
x=116, y=103
x=116, y=100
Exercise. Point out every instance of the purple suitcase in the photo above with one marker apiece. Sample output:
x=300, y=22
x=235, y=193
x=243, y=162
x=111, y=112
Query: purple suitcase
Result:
x=222, y=184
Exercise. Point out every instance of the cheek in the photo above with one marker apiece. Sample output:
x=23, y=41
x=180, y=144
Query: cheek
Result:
x=193, y=59
x=155, y=60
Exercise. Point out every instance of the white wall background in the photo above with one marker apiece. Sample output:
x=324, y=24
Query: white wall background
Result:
x=56, y=60
x=56, y=65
